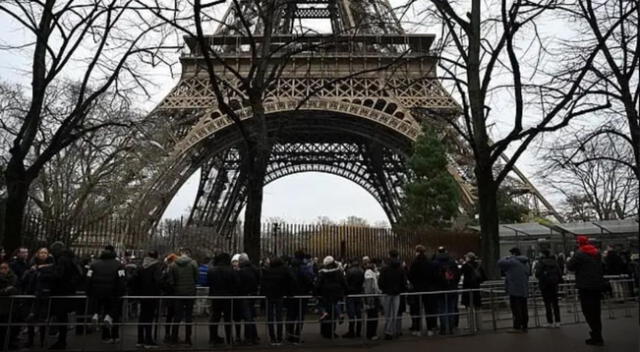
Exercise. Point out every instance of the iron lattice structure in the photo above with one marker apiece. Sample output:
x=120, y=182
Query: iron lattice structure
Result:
x=352, y=107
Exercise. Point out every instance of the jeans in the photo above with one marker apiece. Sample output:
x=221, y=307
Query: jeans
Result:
x=390, y=306
x=591, y=304
x=520, y=312
x=274, y=318
x=184, y=310
x=148, y=308
x=447, y=311
x=220, y=308
x=248, y=314
x=296, y=309
x=550, y=299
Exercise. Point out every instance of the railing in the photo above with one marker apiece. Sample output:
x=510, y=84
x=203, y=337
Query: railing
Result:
x=301, y=321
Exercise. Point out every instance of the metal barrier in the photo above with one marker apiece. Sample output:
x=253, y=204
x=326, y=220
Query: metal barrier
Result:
x=30, y=315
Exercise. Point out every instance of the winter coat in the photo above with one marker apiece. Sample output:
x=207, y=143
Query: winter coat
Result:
x=7, y=288
x=548, y=274
x=106, y=276
x=39, y=281
x=305, y=276
x=613, y=264
x=445, y=265
x=248, y=277
x=472, y=276
x=183, y=276
x=67, y=274
x=392, y=280
x=422, y=274
x=355, y=280
x=331, y=284
x=516, y=272
x=18, y=267
x=147, y=281
x=222, y=280
x=203, y=272
x=277, y=281
x=371, y=288
x=588, y=270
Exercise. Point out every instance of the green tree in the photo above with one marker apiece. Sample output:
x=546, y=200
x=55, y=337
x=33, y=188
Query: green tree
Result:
x=509, y=210
x=432, y=197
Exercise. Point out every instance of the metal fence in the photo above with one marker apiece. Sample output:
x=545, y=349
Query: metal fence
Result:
x=302, y=318
x=342, y=241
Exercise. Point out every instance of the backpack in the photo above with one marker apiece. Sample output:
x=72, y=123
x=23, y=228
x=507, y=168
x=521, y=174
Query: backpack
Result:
x=449, y=274
x=551, y=275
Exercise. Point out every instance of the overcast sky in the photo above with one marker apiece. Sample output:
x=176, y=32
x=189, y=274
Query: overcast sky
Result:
x=295, y=198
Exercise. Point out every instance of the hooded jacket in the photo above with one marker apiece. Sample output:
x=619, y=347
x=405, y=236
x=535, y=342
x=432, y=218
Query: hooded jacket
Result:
x=331, y=284
x=422, y=274
x=355, y=280
x=248, y=279
x=147, y=282
x=516, y=272
x=392, y=280
x=183, y=276
x=277, y=281
x=106, y=276
x=222, y=280
x=7, y=288
x=444, y=263
x=548, y=273
x=586, y=263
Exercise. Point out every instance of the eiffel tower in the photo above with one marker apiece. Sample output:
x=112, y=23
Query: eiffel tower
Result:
x=330, y=111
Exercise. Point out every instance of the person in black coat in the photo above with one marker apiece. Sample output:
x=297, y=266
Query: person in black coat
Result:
x=147, y=283
x=105, y=287
x=222, y=281
x=302, y=269
x=8, y=282
x=586, y=263
x=331, y=287
x=20, y=263
x=355, y=286
x=277, y=282
x=472, y=276
x=448, y=280
x=38, y=281
x=67, y=279
x=248, y=280
x=422, y=275
x=392, y=282
x=549, y=277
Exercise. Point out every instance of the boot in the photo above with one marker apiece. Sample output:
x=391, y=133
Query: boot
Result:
x=350, y=334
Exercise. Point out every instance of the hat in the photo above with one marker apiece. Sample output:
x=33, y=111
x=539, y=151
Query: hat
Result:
x=582, y=240
x=328, y=260
x=471, y=255
x=515, y=251
x=235, y=258
x=441, y=249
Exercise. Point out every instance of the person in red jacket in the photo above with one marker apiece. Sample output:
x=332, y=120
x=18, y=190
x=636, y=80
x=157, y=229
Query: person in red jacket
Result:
x=586, y=263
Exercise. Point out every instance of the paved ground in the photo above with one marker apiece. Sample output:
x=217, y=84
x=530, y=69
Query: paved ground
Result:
x=621, y=332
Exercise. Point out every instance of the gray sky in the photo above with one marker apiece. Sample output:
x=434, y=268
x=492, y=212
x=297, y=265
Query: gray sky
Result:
x=296, y=198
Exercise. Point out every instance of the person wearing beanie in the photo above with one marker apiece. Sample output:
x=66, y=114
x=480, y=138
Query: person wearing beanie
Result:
x=331, y=288
x=586, y=263
x=549, y=276
x=392, y=282
x=516, y=271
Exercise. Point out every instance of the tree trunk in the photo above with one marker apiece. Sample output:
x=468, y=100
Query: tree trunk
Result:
x=258, y=152
x=17, y=195
x=488, y=212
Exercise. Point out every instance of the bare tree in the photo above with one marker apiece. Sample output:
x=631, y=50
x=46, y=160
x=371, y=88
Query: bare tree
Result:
x=246, y=86
x=614, y=75
x=593, y=178
x=101, y=44
x=484, y=53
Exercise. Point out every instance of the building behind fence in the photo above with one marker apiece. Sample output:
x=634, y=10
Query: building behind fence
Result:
x=343, y=241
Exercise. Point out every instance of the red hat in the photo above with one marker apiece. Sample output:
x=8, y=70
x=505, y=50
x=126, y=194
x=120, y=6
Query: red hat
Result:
x=582, y=240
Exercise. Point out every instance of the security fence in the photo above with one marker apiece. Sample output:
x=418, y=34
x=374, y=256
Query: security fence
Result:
x=87, y=237
x=290, y=320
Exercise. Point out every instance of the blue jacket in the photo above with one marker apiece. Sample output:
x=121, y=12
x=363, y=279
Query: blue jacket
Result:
x=516, y=272
x=203, y=269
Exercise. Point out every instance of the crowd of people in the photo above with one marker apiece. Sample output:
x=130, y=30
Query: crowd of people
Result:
x=357, y=290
